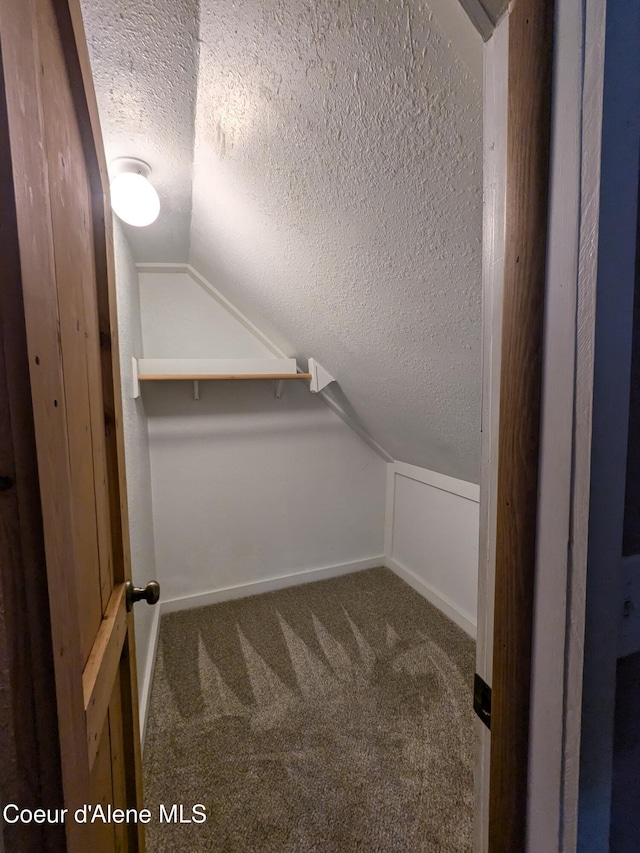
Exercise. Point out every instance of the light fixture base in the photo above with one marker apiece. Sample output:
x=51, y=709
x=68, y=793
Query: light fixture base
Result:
x=129, y=164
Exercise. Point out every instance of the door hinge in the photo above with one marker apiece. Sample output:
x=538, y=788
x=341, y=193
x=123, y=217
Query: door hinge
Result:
x=482, y=700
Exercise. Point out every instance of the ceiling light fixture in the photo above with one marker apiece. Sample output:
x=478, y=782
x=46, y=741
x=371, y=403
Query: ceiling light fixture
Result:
x=133, y=197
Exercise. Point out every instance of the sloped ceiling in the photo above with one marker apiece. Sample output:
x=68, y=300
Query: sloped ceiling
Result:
x=336, y=189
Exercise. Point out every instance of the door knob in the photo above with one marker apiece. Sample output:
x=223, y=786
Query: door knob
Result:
x=150, y=593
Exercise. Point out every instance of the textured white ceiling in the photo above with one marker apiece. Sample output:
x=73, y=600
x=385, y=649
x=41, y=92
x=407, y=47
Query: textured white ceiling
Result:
x=337, y=190
x=144, y=58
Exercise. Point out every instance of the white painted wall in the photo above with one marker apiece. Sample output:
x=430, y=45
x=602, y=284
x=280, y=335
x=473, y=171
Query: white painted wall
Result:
x=247, y=488
x=431, y=538
x=182, y=319
x=136, y=445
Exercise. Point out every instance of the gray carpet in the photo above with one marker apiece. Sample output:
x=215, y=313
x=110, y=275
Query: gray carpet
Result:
x=326, y=718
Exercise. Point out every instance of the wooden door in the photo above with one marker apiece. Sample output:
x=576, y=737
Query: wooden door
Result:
x=63, y=228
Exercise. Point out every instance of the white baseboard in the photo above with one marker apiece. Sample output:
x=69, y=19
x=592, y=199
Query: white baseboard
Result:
x=463, y=620
x=202, y=599
x=147, y=675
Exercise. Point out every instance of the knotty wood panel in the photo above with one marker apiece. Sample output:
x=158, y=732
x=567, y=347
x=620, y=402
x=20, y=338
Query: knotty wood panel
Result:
x=75, y=269
x=70, y=26
x=22, y=73
x=28, y=724
x=108, y=784
x=35, y=765
x=100, y=791
x=528, y=122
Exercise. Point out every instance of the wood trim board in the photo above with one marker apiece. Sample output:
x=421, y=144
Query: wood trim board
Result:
x=528, y=137
x=105, y=653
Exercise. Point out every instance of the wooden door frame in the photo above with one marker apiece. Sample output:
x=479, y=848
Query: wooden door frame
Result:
x=529, y=81
x=543, y=816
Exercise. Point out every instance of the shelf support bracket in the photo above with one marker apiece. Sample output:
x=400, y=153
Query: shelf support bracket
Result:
x=196, y=391
x=278, y=385
x=136, y=381
x=320, y=377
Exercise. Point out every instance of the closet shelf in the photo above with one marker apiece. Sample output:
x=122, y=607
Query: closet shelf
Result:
x=229, y=369
x=195, y=377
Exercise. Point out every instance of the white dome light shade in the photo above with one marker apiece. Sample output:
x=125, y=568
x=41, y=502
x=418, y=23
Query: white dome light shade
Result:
x=134, y=199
